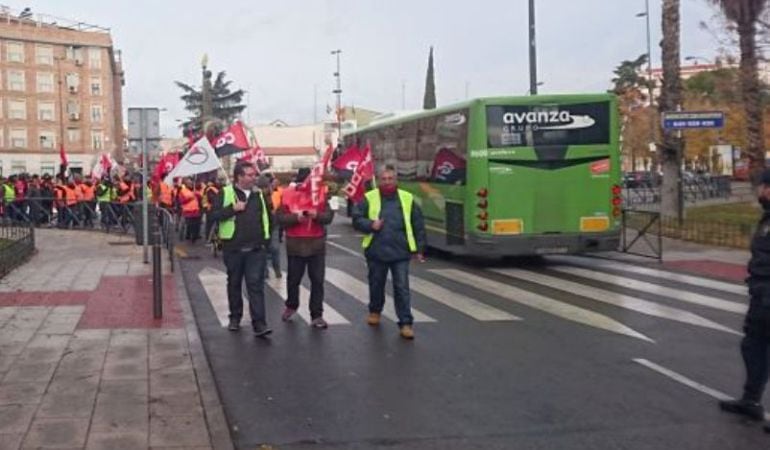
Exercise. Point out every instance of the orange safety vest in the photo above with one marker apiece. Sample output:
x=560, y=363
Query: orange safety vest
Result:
x=71, y=195
x=165, y=196
x=87, y=192
x=189, y=202
x=205, y=198
x=128, y=192
x=276, y=197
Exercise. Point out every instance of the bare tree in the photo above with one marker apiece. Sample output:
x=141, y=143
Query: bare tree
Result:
x=745, y=16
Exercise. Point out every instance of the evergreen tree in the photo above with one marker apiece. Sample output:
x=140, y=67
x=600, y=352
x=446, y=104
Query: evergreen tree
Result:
x=225, y=104
x=429, y=101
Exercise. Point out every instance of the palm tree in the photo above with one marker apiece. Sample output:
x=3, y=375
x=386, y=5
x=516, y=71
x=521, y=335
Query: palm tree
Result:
x=670, y=100
x=225, y=104
x=745, y=14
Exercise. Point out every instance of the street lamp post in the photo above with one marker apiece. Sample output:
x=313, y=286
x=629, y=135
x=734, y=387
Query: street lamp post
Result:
x=650, y=82
x=61, y=103
x=532, y=50
x=338, y=92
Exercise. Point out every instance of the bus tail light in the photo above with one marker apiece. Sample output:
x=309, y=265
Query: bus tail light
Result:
x=483, y=192
x=483, y=203
x=483, y=215
x=482, y=226
x=617, y=201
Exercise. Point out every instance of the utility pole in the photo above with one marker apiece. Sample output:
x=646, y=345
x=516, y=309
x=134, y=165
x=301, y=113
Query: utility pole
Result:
x=315, y=104
x=338, y=91
x=403, y=95
x=532, y=50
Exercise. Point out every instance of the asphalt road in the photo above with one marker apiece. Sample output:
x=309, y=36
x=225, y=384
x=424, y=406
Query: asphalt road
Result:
x=552, y=353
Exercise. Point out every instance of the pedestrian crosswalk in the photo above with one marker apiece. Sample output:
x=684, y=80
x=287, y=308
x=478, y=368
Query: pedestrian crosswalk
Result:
x=569, y=290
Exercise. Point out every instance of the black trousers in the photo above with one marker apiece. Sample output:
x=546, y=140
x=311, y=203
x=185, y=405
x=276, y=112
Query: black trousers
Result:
x=755, y=346
x=193, y=228
x=249, y=267
x=316, y=268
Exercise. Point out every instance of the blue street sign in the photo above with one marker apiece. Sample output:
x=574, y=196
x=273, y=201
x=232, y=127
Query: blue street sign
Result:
x=681, y=120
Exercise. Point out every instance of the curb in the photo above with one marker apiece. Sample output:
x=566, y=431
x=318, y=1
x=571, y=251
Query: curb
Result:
x=219, y=431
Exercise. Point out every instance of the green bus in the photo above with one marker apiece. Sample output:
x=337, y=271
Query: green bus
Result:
x=507, y=176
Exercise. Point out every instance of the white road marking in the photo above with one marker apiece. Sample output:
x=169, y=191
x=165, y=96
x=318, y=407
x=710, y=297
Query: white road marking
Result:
x=719, y=395
x=676, y=294
x=657, y=273
x=215, y=284
x=331, y=315
x=360, y=291
x=345, y=249
x=560, y=309
x=613, y=298
x=682, y=379
x=459, y=302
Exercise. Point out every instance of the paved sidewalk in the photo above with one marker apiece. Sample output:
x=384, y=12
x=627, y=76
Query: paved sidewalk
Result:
x=84, y=365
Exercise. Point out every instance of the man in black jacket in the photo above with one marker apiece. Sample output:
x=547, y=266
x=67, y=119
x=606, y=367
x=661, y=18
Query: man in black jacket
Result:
x=244, y=219
x=395, y=233
x=755, y=346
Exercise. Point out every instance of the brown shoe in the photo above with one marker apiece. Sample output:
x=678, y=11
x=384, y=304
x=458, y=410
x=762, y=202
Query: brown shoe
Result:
x=407, y=332
x=373, y=319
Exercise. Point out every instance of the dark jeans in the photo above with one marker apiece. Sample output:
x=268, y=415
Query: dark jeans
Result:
x=274, y=251
x=209, y=225
x=193, y=228
x=248, y=266
x=378, y=275
x=316, y=268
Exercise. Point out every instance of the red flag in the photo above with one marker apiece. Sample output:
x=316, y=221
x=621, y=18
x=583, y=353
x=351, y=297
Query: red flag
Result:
x=364, y=172
x=348, y=160
x=165, y=165
x=63, y=156
x=313, y=182
x=233, y=140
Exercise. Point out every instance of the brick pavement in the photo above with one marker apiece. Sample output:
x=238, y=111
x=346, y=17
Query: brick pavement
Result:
x=83, y=364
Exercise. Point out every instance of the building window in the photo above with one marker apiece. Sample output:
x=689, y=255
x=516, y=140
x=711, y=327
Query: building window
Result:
x=44, y=82
x=73, y=110
x=45, y=111
x=73, y=135
x=96, y=86
x=44, y=55
x=18, y=137
x=96, y=140
x=14, y=52
x=95, y=58
x=47, y=139
x=17, y=109
x=2, y=138
x=75, y=53
x=16, y=80
x=96, y=113
x=47, y=168
x=73, y=82
x=18, y=167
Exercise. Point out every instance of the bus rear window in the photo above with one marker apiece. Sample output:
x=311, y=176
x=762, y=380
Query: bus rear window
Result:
x=543, y=125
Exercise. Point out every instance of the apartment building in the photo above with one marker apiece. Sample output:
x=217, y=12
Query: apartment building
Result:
x=60, y=84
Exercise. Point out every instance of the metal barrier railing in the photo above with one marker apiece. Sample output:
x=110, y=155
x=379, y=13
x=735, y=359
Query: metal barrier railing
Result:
x=693, y=191
x=642, y=224
x=17, y=244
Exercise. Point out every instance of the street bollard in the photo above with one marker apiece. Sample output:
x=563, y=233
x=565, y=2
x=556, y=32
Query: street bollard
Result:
x=157, y=276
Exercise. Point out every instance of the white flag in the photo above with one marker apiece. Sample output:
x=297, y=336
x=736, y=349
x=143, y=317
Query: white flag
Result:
x=200, y=158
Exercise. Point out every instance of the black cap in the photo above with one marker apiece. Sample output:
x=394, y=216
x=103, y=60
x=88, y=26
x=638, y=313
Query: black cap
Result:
x=765, y=177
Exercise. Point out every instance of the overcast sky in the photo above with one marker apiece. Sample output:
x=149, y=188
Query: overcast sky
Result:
x=279, y=51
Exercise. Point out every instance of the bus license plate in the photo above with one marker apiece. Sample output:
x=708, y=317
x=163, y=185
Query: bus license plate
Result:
x=551, y=250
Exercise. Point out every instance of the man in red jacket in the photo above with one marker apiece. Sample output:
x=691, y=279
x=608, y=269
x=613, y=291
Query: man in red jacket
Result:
x=305, y=232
